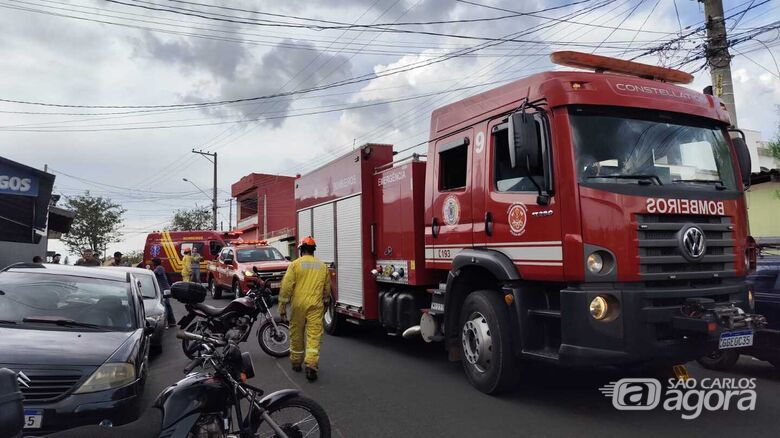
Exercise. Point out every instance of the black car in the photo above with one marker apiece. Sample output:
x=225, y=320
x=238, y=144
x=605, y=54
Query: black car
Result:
x=766, y=293
x=79, y=338
x=153, y=302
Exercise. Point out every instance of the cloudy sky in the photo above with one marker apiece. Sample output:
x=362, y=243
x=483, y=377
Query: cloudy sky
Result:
x=163, y=52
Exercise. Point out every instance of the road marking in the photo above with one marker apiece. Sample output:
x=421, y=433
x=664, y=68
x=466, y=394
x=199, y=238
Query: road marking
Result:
x=287, y=375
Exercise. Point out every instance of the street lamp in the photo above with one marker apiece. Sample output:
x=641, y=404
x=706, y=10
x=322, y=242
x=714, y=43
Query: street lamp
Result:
x=196, y=186
x=214, y=200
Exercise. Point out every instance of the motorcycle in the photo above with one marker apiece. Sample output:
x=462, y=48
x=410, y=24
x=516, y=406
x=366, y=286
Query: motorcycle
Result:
x=239, y=315
x=210, y=403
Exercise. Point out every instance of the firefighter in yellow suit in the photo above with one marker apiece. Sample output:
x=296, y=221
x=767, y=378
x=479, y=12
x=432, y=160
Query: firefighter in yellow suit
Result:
x=306, y=286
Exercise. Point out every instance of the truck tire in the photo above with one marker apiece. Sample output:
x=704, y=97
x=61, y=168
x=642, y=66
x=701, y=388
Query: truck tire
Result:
x=719, y=360
x=488, y=359
x=215, y=291
x=332, y=320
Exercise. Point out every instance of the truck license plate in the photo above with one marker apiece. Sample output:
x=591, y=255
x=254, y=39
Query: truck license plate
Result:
x=33, y=418
x=742, y=338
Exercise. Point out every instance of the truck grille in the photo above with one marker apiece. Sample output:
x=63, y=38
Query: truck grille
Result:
x=45, y=387
x=660, y=256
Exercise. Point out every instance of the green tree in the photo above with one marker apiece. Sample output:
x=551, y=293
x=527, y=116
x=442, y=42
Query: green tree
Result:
x=97, y=222
x=774, y=144
x=132, y=257
x=198, y=218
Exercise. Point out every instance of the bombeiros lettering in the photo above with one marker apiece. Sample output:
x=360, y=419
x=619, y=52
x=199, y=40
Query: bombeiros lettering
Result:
x=15, y=183
x=685, y=206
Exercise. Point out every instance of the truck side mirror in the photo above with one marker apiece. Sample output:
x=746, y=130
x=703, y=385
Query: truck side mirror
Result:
x=743, y=158
x=228, y=260
x=523, y=140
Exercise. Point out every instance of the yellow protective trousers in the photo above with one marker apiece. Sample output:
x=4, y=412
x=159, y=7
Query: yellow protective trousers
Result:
x=306, y=321
x=305, y=285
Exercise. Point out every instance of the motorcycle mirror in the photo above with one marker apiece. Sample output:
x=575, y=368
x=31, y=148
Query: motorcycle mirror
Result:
x=255, y=270
x=11, y=408
x=167, y=293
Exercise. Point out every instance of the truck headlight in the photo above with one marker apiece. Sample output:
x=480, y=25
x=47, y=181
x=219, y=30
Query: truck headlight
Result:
x=604, y=308
x=595, y=263
x=108, y=376
x=249, y=274
x=599, y=308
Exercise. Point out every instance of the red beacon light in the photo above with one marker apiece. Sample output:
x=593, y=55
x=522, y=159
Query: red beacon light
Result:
x=601, y=64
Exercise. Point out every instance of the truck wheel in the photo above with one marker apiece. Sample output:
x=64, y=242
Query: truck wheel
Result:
x=488, y=359
x=720, y=360
x=332, y=320
x=216, y=292
x=236, y=288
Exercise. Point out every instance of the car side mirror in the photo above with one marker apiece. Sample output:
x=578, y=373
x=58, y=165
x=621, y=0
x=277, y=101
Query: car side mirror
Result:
x=523, y=140
x=150, y=326
x=167, y=293
x=743, y=157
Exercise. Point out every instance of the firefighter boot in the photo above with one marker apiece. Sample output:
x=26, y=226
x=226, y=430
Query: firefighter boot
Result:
x=311, y=374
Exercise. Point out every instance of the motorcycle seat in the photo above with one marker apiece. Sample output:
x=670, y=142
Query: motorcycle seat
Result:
x=209, y=310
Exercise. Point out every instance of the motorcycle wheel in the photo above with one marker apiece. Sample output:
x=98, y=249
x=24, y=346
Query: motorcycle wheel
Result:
x=275, y=341
x=298, y=417
x=189, y=347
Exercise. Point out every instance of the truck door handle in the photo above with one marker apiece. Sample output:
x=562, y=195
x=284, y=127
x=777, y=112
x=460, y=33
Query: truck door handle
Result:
x=488, y=223
x=435, y=227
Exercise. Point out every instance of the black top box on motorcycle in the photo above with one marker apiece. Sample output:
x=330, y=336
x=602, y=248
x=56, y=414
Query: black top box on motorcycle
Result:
x=188, y=293
x=11, y=409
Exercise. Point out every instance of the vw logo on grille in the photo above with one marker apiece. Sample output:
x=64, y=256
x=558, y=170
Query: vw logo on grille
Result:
x=23, y=380
x=693, y=243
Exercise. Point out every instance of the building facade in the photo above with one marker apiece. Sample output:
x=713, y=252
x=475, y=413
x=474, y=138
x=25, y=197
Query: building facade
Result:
x=265, y=209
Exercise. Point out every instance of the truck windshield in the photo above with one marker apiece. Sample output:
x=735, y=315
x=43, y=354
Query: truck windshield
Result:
x=627, y=146
x=258, y=255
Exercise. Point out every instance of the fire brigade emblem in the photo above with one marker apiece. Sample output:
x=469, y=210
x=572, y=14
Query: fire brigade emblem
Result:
x=155, y=250
x=517, y=218
x=451, y=210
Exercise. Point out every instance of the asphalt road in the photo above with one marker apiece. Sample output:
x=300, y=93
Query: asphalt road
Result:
x=374, y=385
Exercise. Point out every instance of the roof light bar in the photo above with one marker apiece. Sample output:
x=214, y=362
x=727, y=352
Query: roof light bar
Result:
x=603, y=63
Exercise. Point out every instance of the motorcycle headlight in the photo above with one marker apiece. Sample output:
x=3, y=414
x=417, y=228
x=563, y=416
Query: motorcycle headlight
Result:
x=108, y=376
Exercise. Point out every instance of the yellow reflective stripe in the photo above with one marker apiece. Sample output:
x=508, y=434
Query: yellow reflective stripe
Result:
x=296, y=351
x=312, y=350
x=170, y=250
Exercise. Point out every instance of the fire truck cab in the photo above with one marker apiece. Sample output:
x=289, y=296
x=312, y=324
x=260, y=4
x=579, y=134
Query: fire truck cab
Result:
x=576, y=218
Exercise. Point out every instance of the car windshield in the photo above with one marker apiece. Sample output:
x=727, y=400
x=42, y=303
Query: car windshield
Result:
x=642, y=147
x=258, y=255
x=35, y=298
x=148, y=289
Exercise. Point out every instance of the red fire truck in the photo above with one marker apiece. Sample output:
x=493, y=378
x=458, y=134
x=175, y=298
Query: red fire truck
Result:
x=169, y=247
x=577, y=218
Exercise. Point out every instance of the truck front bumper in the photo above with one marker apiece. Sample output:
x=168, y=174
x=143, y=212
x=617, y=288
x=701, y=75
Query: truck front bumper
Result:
x=651, y=325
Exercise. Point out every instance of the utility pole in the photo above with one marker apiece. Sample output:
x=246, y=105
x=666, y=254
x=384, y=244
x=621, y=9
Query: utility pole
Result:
x=230, y=213
x=213, y=159
x=718, y=58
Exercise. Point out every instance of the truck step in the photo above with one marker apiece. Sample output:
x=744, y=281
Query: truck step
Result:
x=545, y=313
x=547, y=355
